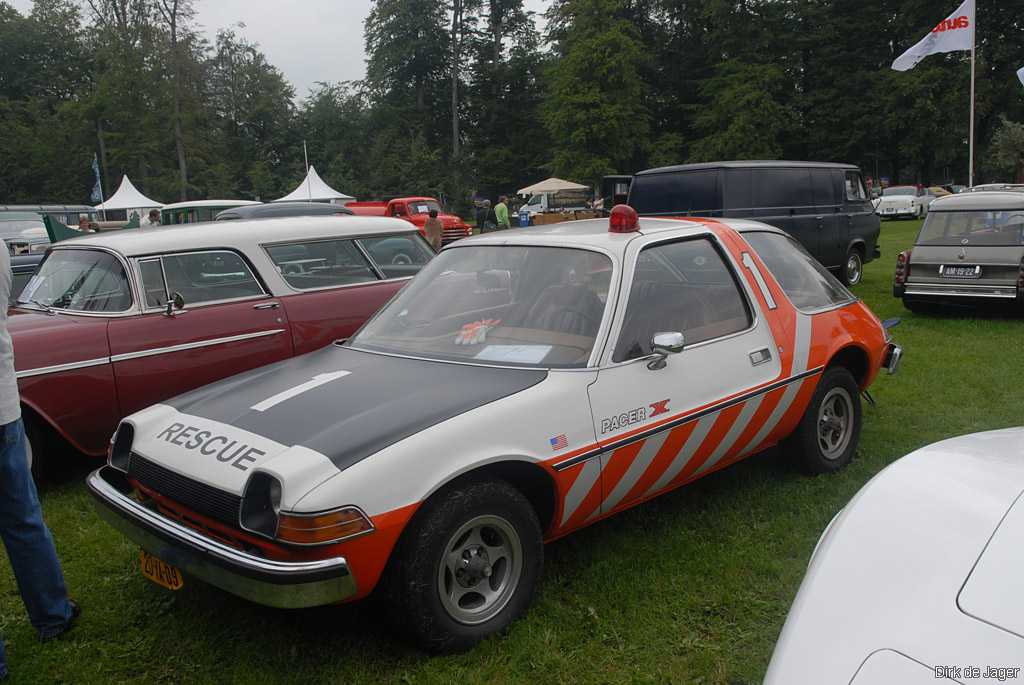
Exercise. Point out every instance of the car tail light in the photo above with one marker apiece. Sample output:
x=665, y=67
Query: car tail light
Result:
x=902, y=267
x=318, y=529
x=623, y=219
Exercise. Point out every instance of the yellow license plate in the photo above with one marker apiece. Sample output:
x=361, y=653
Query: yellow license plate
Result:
x=160, y=572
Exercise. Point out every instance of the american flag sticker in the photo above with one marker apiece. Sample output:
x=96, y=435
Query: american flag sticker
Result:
x=559, y=442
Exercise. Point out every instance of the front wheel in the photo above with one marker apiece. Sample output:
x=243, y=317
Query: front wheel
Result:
x=467, y=566
x=826, y=438
x=853, y=270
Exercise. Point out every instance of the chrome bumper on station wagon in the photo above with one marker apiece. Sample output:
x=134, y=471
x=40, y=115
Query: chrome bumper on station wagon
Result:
x=281, y=584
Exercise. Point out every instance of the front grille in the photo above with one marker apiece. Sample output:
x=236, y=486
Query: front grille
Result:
x=201, y=498
x=450, y=235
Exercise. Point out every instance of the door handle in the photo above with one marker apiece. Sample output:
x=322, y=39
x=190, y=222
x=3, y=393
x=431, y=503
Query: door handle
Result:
x=267, y=305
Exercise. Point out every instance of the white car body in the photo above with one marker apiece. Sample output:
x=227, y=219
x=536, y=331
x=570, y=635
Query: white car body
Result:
x=895, y=206
x=919, y=577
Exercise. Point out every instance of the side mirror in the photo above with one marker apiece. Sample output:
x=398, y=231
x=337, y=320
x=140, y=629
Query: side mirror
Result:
x=662, y=345
x=175, y=303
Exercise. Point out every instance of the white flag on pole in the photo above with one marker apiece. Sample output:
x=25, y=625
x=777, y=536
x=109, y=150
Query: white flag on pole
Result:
x=955, y=32
x=1020, y=75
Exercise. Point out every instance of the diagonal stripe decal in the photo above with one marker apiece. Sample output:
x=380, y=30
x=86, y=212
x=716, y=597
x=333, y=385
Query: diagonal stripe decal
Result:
x=741, y=423
x=690, y=448
x=588, y=476
x=639, y=466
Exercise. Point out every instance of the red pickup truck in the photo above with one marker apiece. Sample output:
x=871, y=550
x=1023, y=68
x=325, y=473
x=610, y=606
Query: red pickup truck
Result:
x=415, y=210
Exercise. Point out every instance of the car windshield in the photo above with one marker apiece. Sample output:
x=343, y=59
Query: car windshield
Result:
x=1000, y=228
x=423, y=206
x=500, y=305
x=901, y=190
x=79, y=280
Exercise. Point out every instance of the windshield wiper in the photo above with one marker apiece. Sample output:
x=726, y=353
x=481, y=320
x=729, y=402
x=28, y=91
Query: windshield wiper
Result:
x=45, y=307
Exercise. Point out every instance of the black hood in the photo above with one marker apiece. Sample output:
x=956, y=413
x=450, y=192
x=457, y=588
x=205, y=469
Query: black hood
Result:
x=380, y=401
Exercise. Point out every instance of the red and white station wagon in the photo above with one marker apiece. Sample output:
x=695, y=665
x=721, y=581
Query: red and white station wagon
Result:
x=524, y=385
x=112, y=323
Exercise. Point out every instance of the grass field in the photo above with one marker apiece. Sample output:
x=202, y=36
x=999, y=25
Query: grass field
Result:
x=690, y=588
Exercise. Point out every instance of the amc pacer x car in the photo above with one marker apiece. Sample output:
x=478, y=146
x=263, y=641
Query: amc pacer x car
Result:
x=522, y=386
x=970, y=251
x=111, y=323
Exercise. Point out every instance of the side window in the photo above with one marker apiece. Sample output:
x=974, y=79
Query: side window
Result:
x=690, y=192
x=738, y=188
x=782, y=188
x=397, y=256
x=854, y=187
x=210, y=277
x=321, y=264
x=398, y=209
x=807, y=284
x=686, y=287
x=153, y=285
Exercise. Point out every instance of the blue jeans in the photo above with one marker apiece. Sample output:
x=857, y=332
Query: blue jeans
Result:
x=27, y=540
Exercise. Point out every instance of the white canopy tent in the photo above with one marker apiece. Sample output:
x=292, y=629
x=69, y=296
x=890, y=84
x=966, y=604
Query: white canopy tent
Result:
x=313, y=189
x=128, y=198
x=552, y=185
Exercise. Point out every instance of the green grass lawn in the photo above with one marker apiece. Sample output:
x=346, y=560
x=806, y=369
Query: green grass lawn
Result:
x=690, y=588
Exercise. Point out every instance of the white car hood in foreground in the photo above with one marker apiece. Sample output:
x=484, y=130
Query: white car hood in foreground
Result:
x=923, y=568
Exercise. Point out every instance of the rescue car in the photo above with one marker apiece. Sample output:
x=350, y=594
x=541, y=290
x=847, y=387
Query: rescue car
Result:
x=525, y=384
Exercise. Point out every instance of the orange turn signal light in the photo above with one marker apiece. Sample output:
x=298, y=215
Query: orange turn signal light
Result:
x=318, y=529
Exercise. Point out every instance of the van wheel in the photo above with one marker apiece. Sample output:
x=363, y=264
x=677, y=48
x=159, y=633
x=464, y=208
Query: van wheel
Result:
x=827, y=436
x=466, y=567
x=853, y=268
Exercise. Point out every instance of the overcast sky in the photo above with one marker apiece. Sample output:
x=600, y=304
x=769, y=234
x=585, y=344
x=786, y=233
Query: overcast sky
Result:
x=308, y=40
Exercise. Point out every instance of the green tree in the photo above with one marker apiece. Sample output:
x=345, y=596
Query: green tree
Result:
x=1008, y=149
x=596, y=107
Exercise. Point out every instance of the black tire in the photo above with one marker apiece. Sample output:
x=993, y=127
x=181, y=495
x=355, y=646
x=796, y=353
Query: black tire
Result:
x=852, y=271
x=419, y=567
x=807, y=445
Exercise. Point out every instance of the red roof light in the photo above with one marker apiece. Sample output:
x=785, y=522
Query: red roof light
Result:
x=623, y=219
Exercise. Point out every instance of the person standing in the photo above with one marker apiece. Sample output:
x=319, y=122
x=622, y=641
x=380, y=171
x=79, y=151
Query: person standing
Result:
x=501, y=213
x=434, y=229
x=26, y=538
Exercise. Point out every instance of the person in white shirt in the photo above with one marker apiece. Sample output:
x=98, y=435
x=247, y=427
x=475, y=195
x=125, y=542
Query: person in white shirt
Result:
x=26, y=538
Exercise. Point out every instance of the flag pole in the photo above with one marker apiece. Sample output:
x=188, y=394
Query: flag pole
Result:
x=974, y=34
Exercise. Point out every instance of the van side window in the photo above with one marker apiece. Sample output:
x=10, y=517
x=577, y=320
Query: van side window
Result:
x=689, y=192
x=854, y=187
x=684, y=286
x=782, y=188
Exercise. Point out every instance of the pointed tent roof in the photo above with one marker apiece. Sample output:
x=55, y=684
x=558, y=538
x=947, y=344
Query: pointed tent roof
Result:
x=128, y=197
x=552, y=185
x=313, y=188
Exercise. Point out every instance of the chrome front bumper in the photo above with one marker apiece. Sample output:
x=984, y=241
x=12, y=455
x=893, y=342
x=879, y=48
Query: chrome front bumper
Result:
x=281, y=584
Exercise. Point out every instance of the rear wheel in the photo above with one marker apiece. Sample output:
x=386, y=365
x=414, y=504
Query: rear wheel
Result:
x=827, y=436
x=466, y=567
x=853, y=269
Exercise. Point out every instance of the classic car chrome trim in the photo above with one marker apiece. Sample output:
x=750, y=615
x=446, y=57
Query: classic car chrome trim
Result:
x=961, y=290
x=57, y=368
x=193, y=345
x=281, y=584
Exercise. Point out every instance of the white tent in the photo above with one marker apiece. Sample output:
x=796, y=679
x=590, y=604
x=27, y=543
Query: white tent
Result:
x=552, y=185
x=313, y=189
x=128, y=197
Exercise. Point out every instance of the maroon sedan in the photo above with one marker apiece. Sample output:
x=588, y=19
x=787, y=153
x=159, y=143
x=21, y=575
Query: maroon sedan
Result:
x=112, y=323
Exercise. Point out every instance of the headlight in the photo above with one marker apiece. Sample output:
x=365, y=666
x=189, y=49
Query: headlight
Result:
x=261, y=503
x=121, y=447
x=322, y=527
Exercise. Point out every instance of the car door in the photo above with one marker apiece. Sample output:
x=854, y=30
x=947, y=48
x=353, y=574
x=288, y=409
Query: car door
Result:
x=229, y=324
x=832, y=227
x=660, y=427
x=864, y=224
x=782, y=197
